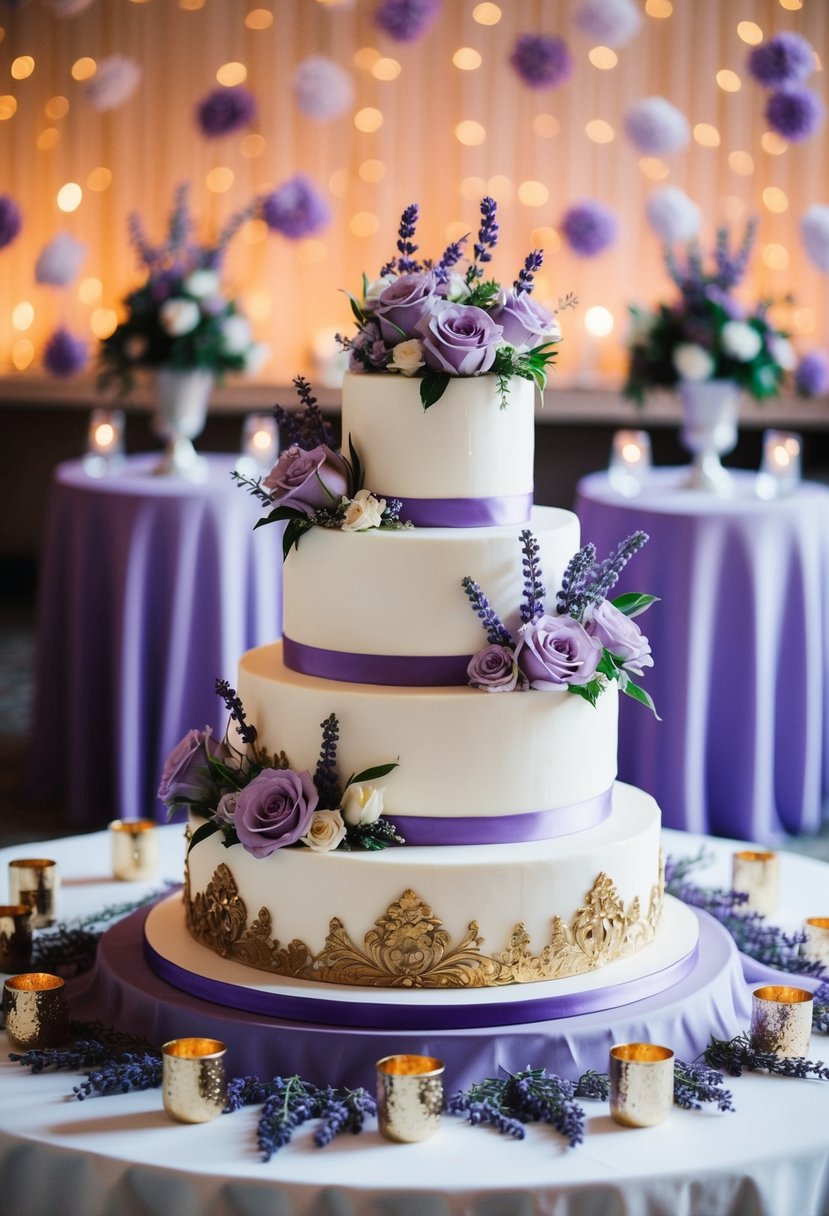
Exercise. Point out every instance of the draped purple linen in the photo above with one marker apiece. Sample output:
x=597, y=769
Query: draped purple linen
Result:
x=151, y=588
x=740, y=640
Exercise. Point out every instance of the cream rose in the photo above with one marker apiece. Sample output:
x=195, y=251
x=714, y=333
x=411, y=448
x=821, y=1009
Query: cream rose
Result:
x=373, y=290
x=407, y=357
x=362, y=804
x=692, y=362
x=363, y=511
x=325, y=832
x=178, y=316
x=202, y=283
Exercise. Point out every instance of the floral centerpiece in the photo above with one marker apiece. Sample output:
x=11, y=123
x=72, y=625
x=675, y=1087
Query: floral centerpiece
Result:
x=438, y=320
x=259, y=801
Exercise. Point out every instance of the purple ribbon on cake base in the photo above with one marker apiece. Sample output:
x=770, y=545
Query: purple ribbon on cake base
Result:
x=464, y=512
x=397, y=670
x=505, y=829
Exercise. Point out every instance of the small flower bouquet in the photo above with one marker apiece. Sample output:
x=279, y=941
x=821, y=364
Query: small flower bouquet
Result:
x=179, y=318
x=586, y=642
x=434, y=320
x=257, y=800
x=706, y=333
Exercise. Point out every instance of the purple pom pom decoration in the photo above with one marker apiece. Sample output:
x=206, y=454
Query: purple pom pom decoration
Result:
x=814, y=232
x=322, y=88
x=10, y=220
x=589, y=228
x=812, y=376
x=226, y=110
x=64, y=354
x=540, y=61
x=114, y=82
x=296, y=209
x=783, y=61
x=406, y=20
x=795, y=114
x=609, y=22
x=656, y=127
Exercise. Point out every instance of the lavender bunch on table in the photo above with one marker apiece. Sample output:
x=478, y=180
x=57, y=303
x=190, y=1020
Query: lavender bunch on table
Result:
x=288, y=1102
x=530, y=1096
x=697, y=1083
x=737, y=1056
x=820, y=1009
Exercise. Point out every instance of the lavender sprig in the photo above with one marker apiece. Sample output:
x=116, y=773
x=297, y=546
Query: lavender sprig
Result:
x=496, y=632
x=593, y=1086
x=129, y=1072
x=532, y=606
x=450, y=257
x=342, y=1110
x=696, y=1083
x=607, y=572
x=568, y=599
x=307, y=428
x=737, y=1055
x=529, y=1096
x=486, y=242
x=820, y=1009
x=325, y=775
x=526, y=275
x=406, y=264
x=233, y=704
x=69, y=948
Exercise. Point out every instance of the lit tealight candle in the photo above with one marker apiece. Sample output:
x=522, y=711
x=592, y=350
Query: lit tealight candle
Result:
x=105, y=441
x=630, y=461
x=780, y=468
x=260, y=445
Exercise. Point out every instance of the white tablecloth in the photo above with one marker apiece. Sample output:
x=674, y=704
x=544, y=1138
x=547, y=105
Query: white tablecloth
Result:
x=121, y=1156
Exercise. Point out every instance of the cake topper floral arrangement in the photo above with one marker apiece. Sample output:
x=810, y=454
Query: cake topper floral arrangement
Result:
x=257, y=800
x=180, y=318
x=586, y=642
x=706, y=333
x=436, y=320
x=314, y=486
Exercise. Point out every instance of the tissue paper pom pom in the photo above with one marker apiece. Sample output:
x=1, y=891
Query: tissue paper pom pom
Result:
x=610, y=22
x=10, y=221
x=64, y=354
x=226, y=110
x=296, y=209
x=322, y=88
x=60, y=260
x=589, y=228
x=541, y=62
x=406, y=20
x=812, y=376
x=814, y=232
x=656, y=127
x=672, y=215
x=794, y=113
x=784, y=60
x=115, y=80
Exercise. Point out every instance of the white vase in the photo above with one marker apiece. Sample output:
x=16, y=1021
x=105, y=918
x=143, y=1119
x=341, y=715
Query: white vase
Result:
x=710, y=410
x=181, y=399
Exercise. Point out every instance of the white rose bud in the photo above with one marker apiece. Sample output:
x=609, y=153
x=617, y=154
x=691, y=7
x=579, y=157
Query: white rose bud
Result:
x=692, y=362
x=740, y=341
x=457, y=289
x=783, y=353
x=325, y=832
x=178, y=316
x=362, y=804
x=202, y=283
x=363, y=511
x=373, y=290
x=407, y=357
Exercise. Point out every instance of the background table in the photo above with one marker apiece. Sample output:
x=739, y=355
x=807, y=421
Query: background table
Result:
x=151, y=588
x=741, y=650
x=122, y=1155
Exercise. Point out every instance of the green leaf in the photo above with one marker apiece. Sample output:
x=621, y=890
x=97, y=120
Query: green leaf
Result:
x=608, y=665
x=356, y=308
x=278, y=514
x=371, y=774
x=202, y=833
x=632, y=603
x=294, y=529
x=639, y=694
x=432, y=387
x=356, y=468
x=590, y=692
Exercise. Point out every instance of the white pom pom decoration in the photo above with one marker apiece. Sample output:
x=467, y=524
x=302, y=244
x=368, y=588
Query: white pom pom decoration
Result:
x=116, y=79
x=322, y=89
x=672, y=215
x=609, y=22
x=656, y=127
x=60, y=260
x=814, y=232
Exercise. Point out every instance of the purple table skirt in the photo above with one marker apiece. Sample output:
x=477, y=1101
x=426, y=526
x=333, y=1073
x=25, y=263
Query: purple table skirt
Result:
x=740, y=639
x=151, y=588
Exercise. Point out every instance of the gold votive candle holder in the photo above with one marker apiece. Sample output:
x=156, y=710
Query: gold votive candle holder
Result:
x=641, y=1083
x=36, y=1011
x=35, y=881
x=193, y=1079
x=15, y=937
x=409, y=1097
x=781, y=1020
x=757, y=873
x=135, y=849
x=816, y=946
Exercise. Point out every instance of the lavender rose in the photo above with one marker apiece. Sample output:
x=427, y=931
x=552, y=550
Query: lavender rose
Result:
x=493, y=669
x=307, y=480
x=402, y=305
x=525, y=323
x=185, y=775
x=621, y=636
x=557, y=650
x=275, y=810
x=460, y=339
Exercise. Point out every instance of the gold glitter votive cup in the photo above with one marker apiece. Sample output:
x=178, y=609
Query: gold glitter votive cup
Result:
x=641, y=1083
x=816, y=946
x=135, y=849
x=757, y=873
x=409, y=1097
x=15, y=937
x=193, y=1079
x=35, y=881
x=36, y=1011
x=781, y=1020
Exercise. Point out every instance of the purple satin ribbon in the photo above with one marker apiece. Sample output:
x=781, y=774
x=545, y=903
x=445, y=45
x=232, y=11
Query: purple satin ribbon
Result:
x=405, y=671
x=505, y=829
x=356, y=1015
x=465, y=512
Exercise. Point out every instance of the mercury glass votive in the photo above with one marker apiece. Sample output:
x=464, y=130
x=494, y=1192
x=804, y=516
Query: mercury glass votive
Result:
x=757, y=874
x=193, y=1079
x=780, y=467
x=135, y=849
x=35, y=881
x=816, y=946
x=781, y=1020
x=409, y=1097
x=15, y=937
x=36, y=1011
x=641, y=1083
x=630, y=462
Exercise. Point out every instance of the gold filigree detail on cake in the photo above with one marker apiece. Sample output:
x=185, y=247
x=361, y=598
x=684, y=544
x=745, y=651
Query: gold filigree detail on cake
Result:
x=407, y=947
